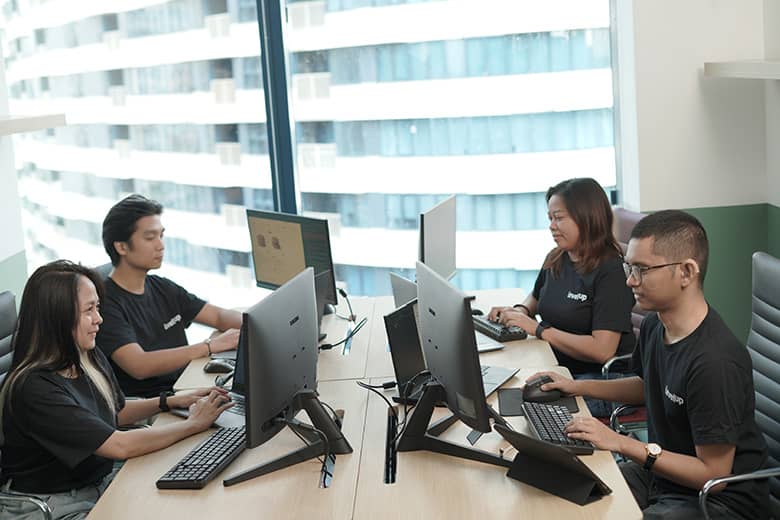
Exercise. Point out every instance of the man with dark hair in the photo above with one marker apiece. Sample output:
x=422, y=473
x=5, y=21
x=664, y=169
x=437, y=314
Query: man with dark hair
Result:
x=693, y=375
x=145, y=316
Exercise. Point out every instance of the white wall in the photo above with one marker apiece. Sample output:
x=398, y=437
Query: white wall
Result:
x=699, y=142
x=12, y=241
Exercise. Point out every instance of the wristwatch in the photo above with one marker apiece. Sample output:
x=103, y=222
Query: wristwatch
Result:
x=653, y=452
x=164, y=401
x=543, y=325
x=207, y=341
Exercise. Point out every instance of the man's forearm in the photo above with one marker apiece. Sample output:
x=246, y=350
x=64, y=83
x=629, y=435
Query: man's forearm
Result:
x=628, y=390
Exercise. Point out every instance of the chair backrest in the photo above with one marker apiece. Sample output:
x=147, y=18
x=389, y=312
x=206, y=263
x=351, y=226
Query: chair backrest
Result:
x=7, y=325
x=625, y=220
x=764, y=346
x=104, y=270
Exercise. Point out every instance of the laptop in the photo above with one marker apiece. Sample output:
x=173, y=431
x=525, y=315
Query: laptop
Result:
x=408, y=361
x=405, y=291
x=234, y=416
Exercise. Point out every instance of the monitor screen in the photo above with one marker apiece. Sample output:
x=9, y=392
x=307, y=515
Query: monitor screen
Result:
x=281, y=355
x=283, y=245
x=437, y=237
x=447, y=334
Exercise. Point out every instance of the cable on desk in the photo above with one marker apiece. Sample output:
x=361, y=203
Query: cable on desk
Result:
x=373, y=388
x=350, y=335
x=326, y=446
x=404, y=397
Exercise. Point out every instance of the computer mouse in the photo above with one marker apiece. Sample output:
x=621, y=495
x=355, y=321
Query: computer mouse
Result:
x=218, y=366
x=477, y=312
x=534, y=394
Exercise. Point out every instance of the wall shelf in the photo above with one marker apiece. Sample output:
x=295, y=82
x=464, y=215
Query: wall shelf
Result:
x=747, y=69
x=17, y=124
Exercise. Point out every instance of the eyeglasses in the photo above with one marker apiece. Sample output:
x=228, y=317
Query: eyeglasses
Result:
x=638, y=270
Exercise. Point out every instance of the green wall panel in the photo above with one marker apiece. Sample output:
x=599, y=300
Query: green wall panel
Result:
x=13, y=274
x=773, y=230
x=735, y=233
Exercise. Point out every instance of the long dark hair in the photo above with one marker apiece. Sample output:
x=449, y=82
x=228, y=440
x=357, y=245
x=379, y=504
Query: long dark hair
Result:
x=43, y=339
x=588, y=206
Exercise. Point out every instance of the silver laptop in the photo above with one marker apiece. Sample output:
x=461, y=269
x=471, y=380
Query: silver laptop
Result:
x=405, y=291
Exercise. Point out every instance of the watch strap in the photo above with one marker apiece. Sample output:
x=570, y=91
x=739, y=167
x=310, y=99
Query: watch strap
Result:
x=543, y=325
x=163, y=405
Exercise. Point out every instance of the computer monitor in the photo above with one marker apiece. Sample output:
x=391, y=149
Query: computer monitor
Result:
x=403, y=290
x=437, y=238
x=447, y=333
x=279, y=363
x=283, y=245
x=450, y=348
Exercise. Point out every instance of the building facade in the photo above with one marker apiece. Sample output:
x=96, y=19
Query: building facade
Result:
x=396, y=104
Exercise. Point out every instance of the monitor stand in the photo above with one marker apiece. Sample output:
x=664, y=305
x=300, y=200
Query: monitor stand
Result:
x=417, y=436
x=321, y=420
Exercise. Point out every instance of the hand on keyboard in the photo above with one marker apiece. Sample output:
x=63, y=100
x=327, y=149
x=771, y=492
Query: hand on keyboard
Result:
x=187, y=399
x=205, y=410
x=590, y=429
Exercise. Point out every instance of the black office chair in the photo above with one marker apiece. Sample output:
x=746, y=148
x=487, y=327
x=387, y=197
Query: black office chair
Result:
x=626, y=418
x=764, y=346
x=104, y=270
x=7, y=326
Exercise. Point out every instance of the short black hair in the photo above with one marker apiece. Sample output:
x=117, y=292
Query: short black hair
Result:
x=120, y=222
x=678, y=235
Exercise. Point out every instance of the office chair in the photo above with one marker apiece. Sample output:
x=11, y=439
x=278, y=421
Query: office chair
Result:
x=763, y=343
x=104, y=270
x=626, y=418
x=7, y=326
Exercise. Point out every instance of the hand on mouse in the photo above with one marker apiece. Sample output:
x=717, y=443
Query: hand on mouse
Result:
x=205, y=410
x=227, y=340
x=186, y=399
x=561, y=383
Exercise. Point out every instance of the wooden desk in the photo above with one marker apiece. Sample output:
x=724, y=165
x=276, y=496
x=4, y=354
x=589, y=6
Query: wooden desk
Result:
x=289, y=493
x=534, y=353
x=431, y=485
x=333, y=364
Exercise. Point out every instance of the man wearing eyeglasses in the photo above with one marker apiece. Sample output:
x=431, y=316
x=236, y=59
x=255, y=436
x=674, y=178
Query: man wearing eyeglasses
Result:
x=693, y=375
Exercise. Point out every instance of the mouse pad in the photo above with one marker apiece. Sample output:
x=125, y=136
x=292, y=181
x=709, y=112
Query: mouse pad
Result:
x=510, y=402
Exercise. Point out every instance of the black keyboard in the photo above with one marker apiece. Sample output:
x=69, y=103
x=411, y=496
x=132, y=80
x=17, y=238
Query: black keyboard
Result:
x=497, y=331
x=547, y=422
x=206, y=460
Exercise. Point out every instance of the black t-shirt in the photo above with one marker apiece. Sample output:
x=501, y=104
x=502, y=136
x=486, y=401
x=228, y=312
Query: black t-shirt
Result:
x=581, y=303
x=700, y=391
x=156, y=320
x=52, y=429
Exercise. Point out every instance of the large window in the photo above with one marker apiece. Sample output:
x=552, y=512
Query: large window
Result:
x=390, y=119
x=166, y=99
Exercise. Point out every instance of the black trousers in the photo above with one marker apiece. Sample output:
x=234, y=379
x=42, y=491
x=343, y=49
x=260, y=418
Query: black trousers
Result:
x=668, y=506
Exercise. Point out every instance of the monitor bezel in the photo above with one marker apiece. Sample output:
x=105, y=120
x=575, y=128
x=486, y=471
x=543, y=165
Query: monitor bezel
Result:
x=297, y=219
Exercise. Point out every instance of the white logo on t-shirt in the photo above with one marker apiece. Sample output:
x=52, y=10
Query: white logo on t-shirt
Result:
x=577, y=296
x=676, y=399
x=173, y=321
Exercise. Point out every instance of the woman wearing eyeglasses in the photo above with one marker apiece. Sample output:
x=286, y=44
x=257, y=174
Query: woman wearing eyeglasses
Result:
x=580, y=293
x=60, y=404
